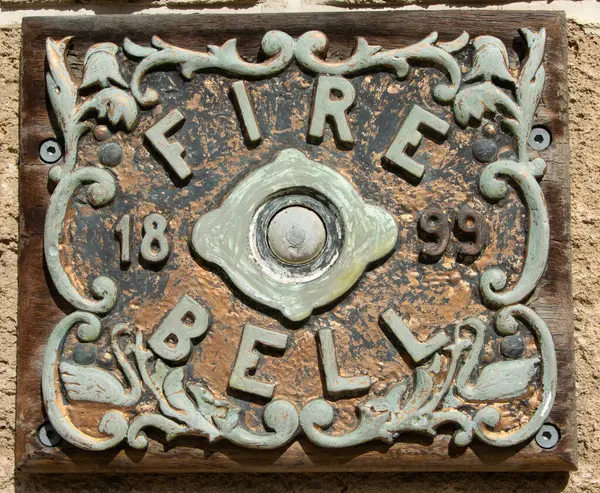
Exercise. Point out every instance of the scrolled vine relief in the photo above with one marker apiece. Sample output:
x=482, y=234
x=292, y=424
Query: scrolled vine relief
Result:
x=420, y=405
x=100, y=190
x=311, y=49
x=417, y=404
x=489, y=68
x=113, y=424
x=277, y=45
x=493, y=187
x=295, y=239
x=185, y=406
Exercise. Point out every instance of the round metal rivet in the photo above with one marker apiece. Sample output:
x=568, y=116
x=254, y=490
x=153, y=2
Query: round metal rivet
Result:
x=47, y=435
x=490, y=130
x=513, y=346
x=111, y=154
x=101, y=132
x=84, y=354
x=296, y=235
x=485, y=151
x=548, y=436
x=50, y=151
x=539, y=139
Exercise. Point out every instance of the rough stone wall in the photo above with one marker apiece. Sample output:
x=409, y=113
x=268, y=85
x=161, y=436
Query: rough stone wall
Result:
x=584, y=86
x=9, y=200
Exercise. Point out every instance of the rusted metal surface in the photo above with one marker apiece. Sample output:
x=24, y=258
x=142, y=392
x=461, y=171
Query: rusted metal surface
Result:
x=449, y=234
x=434, y=296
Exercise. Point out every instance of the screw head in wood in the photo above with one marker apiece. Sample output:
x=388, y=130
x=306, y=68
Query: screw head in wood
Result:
x=50, y=151
x=48, y=436
x=548, y=436
x=539, y=138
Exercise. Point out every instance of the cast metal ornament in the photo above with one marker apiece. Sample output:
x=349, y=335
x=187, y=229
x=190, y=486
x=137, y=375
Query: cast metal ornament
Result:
x=451, y=383
x=227, y=236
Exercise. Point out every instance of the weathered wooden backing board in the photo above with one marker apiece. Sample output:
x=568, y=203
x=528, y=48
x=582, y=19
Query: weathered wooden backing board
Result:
x=41, y=308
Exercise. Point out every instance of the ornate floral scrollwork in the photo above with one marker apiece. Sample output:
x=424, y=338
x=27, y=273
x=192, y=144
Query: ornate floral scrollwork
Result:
x=420, y=407
x=451, y=385
x=493, y=188
x=277, y=45
x=111, y=103
x=279, y=416
x=186, y=407
x=471, y=103
x=112, y=424
x=311, y=50
x=202, y=414
x=101, y=191
x=87, y=383
x=491, y=64
x=137, y=438
x=506, y=325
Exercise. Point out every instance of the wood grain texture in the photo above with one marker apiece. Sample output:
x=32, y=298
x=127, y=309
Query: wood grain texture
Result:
x=40, y=308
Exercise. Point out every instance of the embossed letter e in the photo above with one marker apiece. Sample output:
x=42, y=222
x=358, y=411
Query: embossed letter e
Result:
x=409, y=137
x=248, y=360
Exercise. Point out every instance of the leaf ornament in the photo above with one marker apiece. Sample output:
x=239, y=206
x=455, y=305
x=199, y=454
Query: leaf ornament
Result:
x=101, y=67
x=490, y=68
x=111, y=103
x=62, y=91
x=276, y=45
x=473, y=102
x=530, y=84
x=490, y=62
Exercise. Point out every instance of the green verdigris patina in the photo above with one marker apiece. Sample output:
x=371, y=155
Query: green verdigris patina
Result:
x=227, y=236
x=453, y=382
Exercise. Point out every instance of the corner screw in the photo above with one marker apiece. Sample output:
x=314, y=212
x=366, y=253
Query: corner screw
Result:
x=539, y=138
x=548, y=436
x=47, y=435
x=50, y=151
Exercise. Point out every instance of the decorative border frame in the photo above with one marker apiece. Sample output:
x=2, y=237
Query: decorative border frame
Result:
x=382, y=419
x=469, y=105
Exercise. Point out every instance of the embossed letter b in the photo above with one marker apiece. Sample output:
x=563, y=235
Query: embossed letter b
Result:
x=186, y=321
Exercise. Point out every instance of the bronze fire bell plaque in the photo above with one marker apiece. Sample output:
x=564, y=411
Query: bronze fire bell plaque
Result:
x=339, y=242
